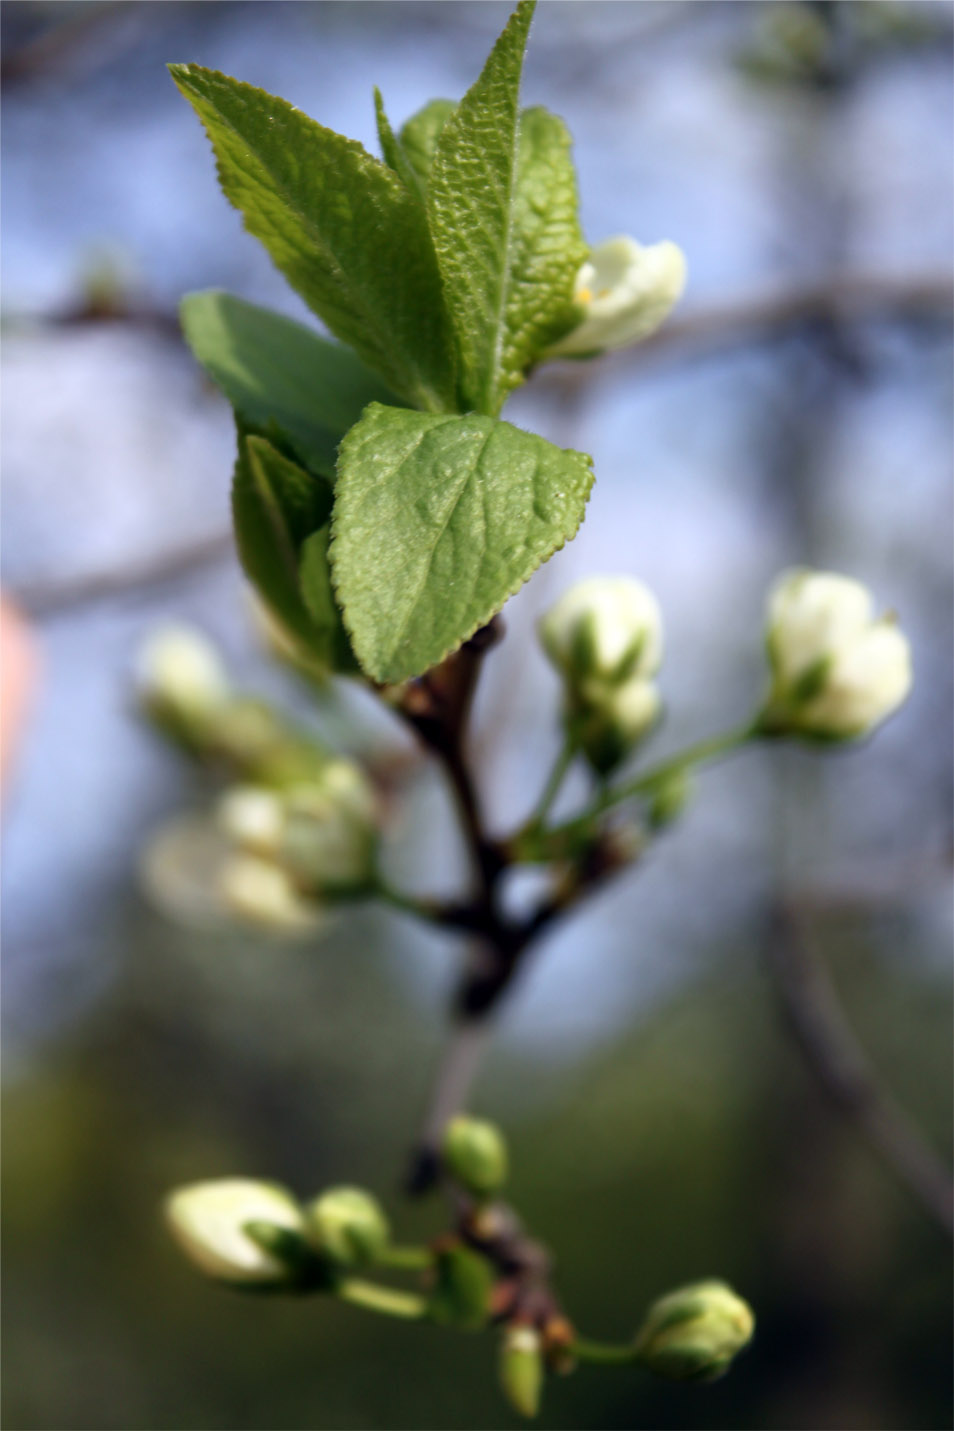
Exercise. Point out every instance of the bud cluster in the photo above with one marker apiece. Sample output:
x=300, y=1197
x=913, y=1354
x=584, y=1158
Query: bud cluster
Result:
x=299, y=826
x=256, y=1236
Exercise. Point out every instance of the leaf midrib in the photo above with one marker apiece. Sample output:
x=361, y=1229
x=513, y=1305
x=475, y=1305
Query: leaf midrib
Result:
x=493, y=398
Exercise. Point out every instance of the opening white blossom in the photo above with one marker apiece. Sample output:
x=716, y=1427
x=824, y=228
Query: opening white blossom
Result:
x=838, y=671
x=207, y=1220
x=606, y=629
x=627, y=290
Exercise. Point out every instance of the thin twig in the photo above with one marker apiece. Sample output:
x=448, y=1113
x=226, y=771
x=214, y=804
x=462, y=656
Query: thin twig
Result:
x=851, y=298
x=49, y=598
x=813, y=1012
x=455, y=1077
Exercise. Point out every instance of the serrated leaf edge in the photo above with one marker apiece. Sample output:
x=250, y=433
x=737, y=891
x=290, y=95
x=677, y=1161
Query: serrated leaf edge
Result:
x=483, y=620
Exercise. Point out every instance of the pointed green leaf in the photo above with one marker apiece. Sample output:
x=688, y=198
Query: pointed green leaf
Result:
x=438, y=520
x=547, y=245
x=393, y=150
x=274, y=371
x=276, y=507
x=339, y=224
x=319, y=598
x=419, y=136
x=502, y=207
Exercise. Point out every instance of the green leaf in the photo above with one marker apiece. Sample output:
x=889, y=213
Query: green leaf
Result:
x=393, y=150
x=438, y=520
x=278, y=508
x=461, y=1296
x=339, y=224
x=319, y=598
x=276, y=372
x=502, y=207
x=420, y=133
x=547, y=245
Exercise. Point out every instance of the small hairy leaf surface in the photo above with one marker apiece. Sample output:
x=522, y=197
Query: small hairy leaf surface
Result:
x=437, y=521
x=547, y=245
x=274, y=371
x=419, y=136
x=276, y=507
x=502, y=206
x=340, y=225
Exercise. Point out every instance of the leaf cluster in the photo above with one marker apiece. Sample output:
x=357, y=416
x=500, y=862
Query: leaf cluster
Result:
x=382, y=508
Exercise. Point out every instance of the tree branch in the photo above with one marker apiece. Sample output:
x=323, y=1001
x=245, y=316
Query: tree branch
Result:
x=812, y=1010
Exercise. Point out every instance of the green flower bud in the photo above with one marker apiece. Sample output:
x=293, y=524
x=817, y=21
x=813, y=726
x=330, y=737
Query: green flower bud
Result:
x=693, y=1334
x=521, y=1369
x=349, y=1226
x=476, y=1155
x=607, y=724
x=210, y=1221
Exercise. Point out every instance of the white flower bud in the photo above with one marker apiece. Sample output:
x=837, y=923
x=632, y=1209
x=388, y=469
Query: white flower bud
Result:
x=252, y=817
x=606, y=629
x=837, y=671
x=263, y=894
x=349, y=1225
x=627, y=290
x=208, y=1219
x=181, y=674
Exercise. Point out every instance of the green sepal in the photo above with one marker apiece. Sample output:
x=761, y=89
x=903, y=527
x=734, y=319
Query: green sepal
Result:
x=307, y=1271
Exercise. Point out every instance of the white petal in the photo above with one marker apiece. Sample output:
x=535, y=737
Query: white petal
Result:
x=812, y=615
x=868, y=680
x=627, y=289
x=622, y=611
x=207, y=1220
